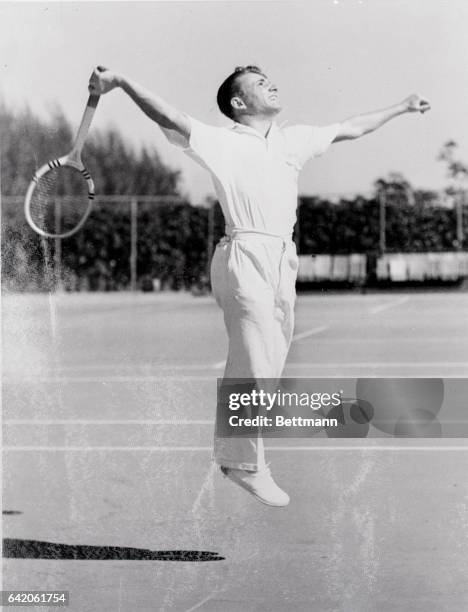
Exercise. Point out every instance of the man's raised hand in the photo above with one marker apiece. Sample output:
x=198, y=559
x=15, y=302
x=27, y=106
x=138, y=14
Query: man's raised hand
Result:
x=416, y=103
x=102, y=80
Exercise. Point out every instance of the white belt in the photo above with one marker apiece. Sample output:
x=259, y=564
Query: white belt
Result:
x=246, y=233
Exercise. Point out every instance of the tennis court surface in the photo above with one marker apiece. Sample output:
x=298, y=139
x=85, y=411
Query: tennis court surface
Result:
x=109, y=491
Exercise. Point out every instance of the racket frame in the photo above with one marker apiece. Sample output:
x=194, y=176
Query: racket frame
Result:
x=73, y=160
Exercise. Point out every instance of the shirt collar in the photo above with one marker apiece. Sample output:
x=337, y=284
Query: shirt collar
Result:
x=246, y=129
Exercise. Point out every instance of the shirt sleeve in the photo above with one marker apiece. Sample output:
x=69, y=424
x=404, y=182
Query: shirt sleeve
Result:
x=207, y=144
x=175, y=138
x=308, y=141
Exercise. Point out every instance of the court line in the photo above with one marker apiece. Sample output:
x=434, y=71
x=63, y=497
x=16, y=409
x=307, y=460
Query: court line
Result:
x=110, y=422
x=200, y=603
x=373, y=364
x=191, y=449
x=311, y=332
x=187, y=377
x=87, y=449
x=104, y=379
x=12, y=422
x=370, y=448
x=219, y=365
x=387, y=305
x=134, y=367
x=203, y=601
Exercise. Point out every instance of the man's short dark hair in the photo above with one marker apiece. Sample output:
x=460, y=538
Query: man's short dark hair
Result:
x=229, y=89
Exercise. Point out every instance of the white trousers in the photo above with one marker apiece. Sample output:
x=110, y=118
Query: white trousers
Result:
x=253, y=276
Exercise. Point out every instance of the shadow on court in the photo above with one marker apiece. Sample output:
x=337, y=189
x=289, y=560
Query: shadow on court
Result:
x=34, y=549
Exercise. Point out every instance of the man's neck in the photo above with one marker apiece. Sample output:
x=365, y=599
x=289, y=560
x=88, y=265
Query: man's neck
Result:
x=259, y=123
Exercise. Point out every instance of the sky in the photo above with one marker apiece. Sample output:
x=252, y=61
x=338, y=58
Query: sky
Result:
x=330, y=59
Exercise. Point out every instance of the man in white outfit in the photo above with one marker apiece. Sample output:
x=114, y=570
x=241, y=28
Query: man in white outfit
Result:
x=254, y=165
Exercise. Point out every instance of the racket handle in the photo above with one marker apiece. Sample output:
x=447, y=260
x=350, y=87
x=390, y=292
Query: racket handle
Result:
x=85, y=123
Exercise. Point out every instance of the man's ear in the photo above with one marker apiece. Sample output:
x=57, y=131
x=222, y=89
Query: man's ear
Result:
x=237, y=103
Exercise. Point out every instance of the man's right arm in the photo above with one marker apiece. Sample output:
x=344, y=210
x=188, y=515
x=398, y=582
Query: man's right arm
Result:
x=166, y=116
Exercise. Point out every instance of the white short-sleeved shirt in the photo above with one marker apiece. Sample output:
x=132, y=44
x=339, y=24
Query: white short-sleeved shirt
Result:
x=255, y=177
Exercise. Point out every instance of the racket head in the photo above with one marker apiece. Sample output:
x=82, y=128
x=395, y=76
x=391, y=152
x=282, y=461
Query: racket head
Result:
x=59, y=198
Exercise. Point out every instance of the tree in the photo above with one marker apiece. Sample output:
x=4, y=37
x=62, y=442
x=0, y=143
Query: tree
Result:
x=457, y=172
x=396, y=189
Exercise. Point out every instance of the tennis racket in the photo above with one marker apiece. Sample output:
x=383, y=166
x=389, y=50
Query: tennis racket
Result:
x=60, y=195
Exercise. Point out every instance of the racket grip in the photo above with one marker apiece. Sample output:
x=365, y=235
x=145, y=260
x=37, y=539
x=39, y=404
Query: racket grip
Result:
x=93, y=101
x=85, y=124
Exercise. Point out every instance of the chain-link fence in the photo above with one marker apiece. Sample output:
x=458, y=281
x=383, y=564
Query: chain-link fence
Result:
x=127, y=242
x=163, y=242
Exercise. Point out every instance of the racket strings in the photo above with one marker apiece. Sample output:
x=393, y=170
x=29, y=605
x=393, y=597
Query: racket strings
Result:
x=60, y=200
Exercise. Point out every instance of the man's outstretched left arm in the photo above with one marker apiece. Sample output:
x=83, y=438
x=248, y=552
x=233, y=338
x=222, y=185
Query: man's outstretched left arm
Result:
x=358, y=126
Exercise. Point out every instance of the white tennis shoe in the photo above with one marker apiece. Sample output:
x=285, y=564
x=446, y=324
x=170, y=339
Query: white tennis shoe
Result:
x=259, y=484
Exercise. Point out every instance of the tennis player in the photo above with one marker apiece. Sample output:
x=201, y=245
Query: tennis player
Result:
x=254, y=165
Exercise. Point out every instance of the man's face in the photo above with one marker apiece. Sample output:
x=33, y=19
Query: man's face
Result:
x=258, y=95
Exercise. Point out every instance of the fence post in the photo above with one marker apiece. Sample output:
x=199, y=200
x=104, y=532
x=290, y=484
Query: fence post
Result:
x=297, y=227
x=133, y=243
x=382, y=223
x=58, y=246
x=210, y=238
x=459, y=210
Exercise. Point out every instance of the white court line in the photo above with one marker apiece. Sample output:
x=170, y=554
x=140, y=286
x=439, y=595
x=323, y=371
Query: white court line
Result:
x=203, y=601
x=189, y=377
x=132, y=422
x=104, y=379
x=104, y=422
x=141, y=367
x=192, y=449
x=387, y=305
x=219, y=365
x=372, y=364
x=369, y=448
x=310, y=332
x=86, y=449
